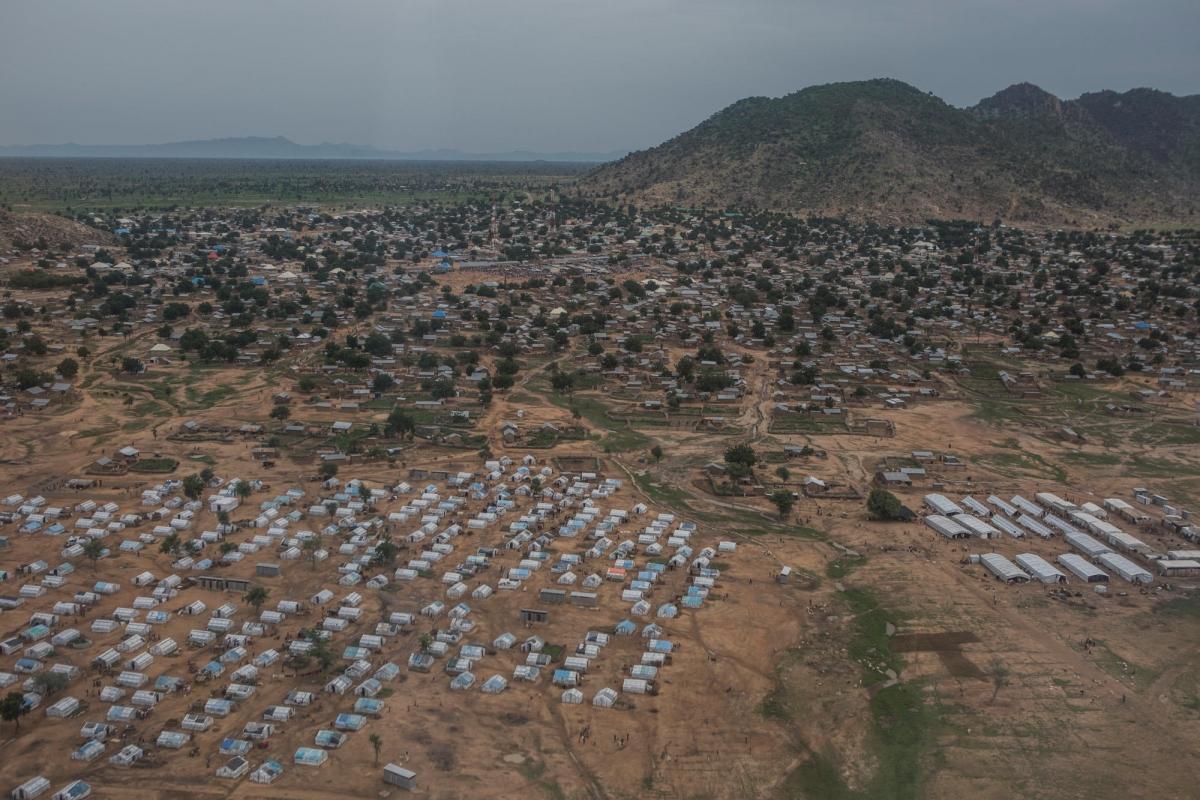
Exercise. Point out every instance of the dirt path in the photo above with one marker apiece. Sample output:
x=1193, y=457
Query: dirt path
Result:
x=594, y=788
x=501, y=408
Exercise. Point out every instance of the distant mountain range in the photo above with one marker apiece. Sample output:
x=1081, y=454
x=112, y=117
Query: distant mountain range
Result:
x=279, y=147
x=884, y=150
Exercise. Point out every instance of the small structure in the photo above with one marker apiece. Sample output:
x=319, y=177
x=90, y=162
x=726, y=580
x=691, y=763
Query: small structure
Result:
x=219, y=583
x=396, y=775
x=556, y=596
x=534, y=615
x=75, y=790
x=310, y=756
x=584, y=599
x=31, y=788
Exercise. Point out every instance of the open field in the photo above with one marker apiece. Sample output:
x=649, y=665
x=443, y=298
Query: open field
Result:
x=758, y=676
x=51, y=184
x=444, y=443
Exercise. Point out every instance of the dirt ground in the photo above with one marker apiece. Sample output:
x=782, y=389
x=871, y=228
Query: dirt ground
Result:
x=1018, y=691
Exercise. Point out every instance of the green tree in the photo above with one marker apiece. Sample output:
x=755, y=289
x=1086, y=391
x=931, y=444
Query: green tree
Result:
x=656, y=453
x=399, y=424
x=378, y=345
x=385, y=552
x=321, y=651
x=170, y=544
x=93, y=549
x=310, y=546
x=741, y=454
x=68, y=368
x=382, y=382
x=49, y=683
x=35, y=344
x=257, y=596
x=999, y=673
x=376, y=744
x=281, y=412
x=883, y=505
x=243, y=489
x=27, y=377
x=563, y=382
x=12, y=708
x=784, y=502
x=193, y=486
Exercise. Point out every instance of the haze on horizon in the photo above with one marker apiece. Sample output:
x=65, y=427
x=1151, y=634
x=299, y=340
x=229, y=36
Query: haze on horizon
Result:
x=539, y=75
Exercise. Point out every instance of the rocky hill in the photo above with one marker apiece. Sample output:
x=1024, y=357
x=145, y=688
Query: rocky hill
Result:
x=885, y=150
x=56, y=233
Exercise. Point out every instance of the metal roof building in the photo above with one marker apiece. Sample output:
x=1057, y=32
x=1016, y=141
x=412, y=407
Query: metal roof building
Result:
x=1125, y=568
x=1061, y=524
x=1129, y=512
x=977, y=526
x=1008, y=527
x=946, y=527
x=1040, y=569
x=975, y=507
x=940, y=504
x=1131, y=544
x=1031, y=524
x=1032, y=509
x=1083, y=569
x=1054, y=502
x=1087, y=545
x=1005, y=506
x=1002, y=568
x=1178, y=567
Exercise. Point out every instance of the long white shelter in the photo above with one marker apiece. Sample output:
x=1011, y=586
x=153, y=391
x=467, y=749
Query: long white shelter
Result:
x=1125, y=568
x=1040, y=569
x=1002, y=568
x=1083, y=569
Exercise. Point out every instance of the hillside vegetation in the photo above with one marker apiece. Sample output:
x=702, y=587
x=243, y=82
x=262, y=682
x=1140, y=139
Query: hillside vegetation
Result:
x=886, y=150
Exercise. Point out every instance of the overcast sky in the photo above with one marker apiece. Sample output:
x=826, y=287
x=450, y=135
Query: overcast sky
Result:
x=545, y=75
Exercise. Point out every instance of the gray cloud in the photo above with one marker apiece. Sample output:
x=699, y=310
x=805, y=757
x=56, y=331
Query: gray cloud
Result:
x=537, y=74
